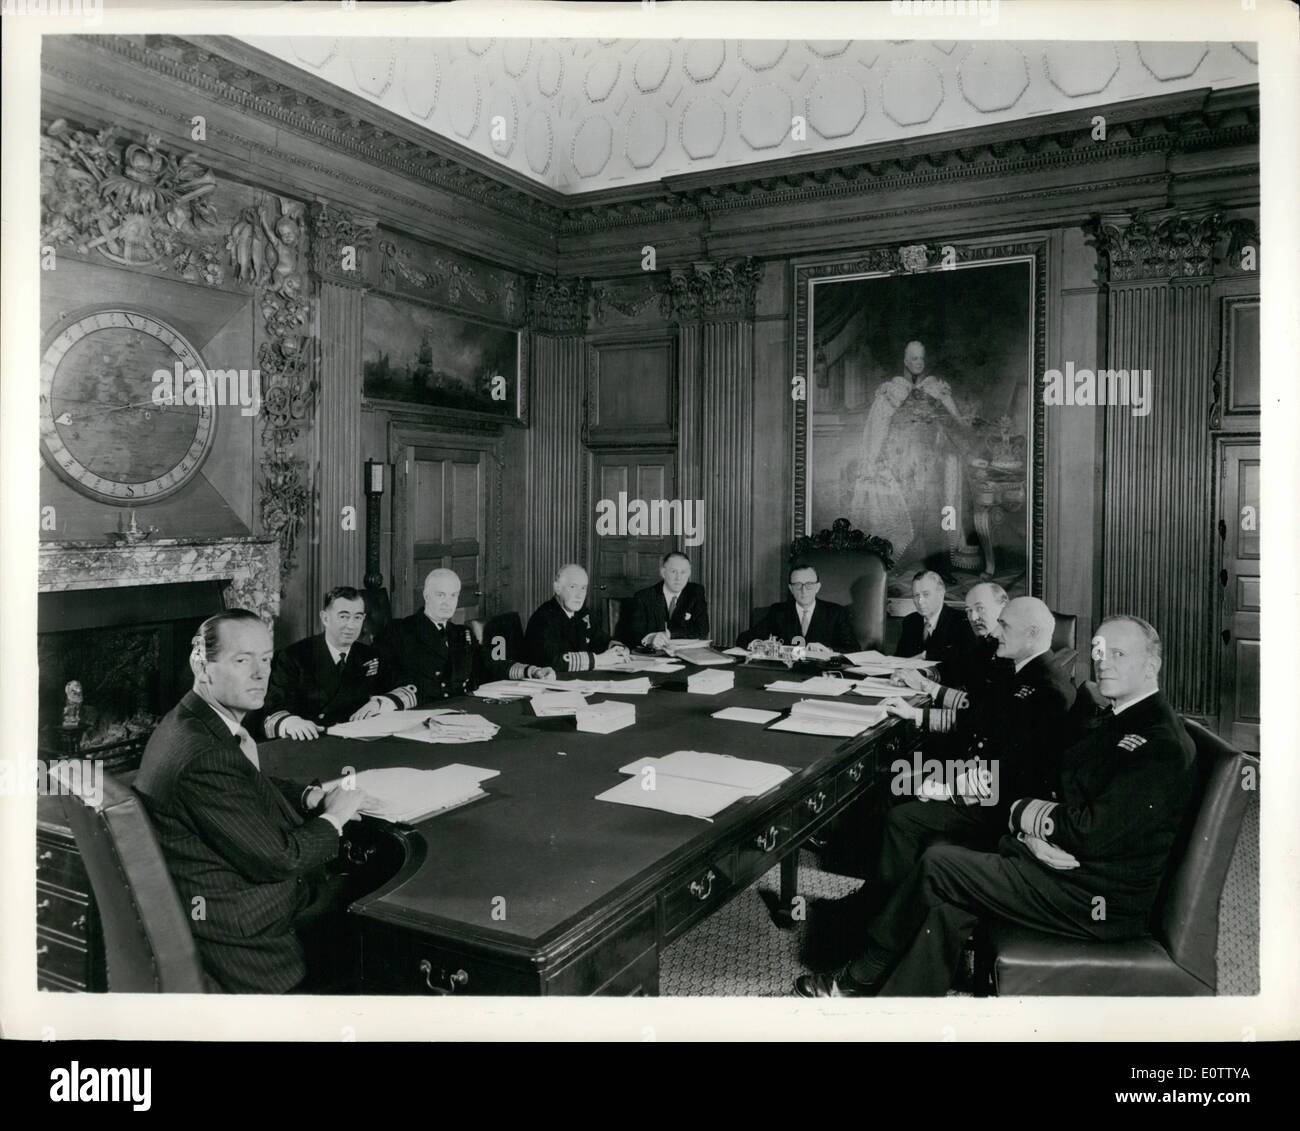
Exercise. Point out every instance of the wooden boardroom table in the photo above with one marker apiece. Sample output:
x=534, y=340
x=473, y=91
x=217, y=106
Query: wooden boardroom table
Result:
x=541, y=889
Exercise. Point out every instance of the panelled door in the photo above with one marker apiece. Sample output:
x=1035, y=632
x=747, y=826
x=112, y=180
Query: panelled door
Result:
x=624, y=562
x=1239, y=527
x=443, y=495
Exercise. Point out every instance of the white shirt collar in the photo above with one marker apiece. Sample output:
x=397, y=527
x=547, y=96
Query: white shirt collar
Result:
x=335, y=653
x=800, y=611
x=1121, y=709
x=436, y=623
x=669, y=594
x=223, y=712
x=1021, y=663
x=565, y=609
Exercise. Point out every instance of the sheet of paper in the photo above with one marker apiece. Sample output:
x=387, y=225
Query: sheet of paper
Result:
x=607, y=686
x=658, y=666
x=879, y=659
x=741, y=652
x=797, y=724
x=501, y=689
x=861, y=713
x=392, y=722
x=682, y=796
x=704, y=657
x=818, y=685
x=458, y=727
x=746, y=715
x=753, y=777
x=879, y=687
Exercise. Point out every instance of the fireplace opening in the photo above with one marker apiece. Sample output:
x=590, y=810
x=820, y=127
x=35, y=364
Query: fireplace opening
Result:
x=112, y=662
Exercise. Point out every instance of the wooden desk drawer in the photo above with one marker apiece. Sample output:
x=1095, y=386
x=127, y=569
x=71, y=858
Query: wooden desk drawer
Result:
x=60, y=866
x=400, y=962
x=692, y=896
x=812, y=804
x=64, y=913
x=855, y=776
x=757, y=850
x=62, y=957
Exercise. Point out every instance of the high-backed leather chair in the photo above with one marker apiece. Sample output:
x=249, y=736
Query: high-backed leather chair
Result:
x=855, y=578
x=1063, y=635
x=506, y=626
x=1179, y=957
x=147, y=941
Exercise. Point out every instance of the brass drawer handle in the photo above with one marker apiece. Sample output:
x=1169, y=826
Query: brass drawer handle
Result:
x=42, y=857
x=79, y=923
x=855, y=772
x=702, y=889
x=816, y=803
x=44, y=948
x=767, y=840
x=43, y=904
x=459, y=978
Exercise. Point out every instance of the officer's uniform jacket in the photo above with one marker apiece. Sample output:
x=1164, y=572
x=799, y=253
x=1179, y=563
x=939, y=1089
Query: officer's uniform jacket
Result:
x=439, y=663
x=554, y=639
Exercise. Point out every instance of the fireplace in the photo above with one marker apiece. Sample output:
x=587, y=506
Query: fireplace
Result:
x=114, y=625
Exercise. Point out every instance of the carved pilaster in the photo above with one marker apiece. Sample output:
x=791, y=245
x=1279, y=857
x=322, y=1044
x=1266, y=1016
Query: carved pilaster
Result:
x=558, y=306
x=341, y=244
x=1158, y=245
x=711, y=289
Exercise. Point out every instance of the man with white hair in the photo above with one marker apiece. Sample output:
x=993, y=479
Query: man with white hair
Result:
x=561, y=634
x=1086, y=861
x=438, y=658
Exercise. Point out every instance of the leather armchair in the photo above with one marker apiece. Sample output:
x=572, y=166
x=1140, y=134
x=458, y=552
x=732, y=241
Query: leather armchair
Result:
x=147, y=941
x=855, y=578
x=508, y=626
x=1178, y=958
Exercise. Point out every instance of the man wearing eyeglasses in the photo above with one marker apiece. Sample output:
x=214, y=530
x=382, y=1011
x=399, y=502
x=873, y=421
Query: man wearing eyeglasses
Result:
x=822, y=626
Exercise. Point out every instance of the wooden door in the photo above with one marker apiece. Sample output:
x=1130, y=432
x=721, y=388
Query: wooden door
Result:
x=1238, y=526
x=625, y=562
x=443, y=493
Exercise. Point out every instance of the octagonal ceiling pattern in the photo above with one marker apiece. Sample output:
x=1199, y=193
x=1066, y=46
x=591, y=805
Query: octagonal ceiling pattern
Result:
x=585, y=114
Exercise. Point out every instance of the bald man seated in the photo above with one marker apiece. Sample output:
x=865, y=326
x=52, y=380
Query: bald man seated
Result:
x=561, y=633
x=438, y=658
x=1005, y=746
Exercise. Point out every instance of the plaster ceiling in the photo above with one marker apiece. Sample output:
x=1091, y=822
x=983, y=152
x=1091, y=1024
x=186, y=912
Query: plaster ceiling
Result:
x=585, y=114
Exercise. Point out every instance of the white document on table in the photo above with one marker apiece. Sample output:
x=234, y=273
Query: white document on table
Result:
x=551, y=704
x=704, y=657
x=683, y=796
x=819, y=717
x=746, y=715
x=879, y=688
x=452, y=727
x=818, y=685
x=660, y=667
x=407, y=795
x=742, y=652
x=607, y=686
x=746, y=774
x=503, y=689
x=879, y=659
x=391, y=722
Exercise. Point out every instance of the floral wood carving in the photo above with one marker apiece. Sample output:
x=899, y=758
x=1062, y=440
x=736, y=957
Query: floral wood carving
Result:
x=711, y=289
x=1158, y=245
x=340, y=244
x=558, y=306
x=136, y=205
x=843, y=536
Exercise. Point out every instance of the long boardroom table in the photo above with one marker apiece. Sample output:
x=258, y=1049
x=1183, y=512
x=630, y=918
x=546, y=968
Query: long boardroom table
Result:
x=538, y=888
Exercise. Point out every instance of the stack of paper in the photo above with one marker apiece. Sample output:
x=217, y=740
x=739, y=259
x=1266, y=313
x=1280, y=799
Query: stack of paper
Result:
x=878, y=688
x=813, y=716
x=500, y=690
x=392, y=723
x=605, y=718
x=746, y=715
x=698, y=652
x=607, y=686
x=710, y=682
x=551, y=704
x=872, y=662
x=650, y=664
x=818, y=685
x=452, y=727
x=693, y=783
x=409, y=795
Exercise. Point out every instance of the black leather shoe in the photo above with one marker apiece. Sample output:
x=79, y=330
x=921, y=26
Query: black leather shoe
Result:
x=833, y=985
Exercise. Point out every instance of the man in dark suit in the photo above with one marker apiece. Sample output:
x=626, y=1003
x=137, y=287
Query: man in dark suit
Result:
x=561, y=634
x=331, y=677
x=1084, y=863
x=675, y=610
x=823, y=626
x=935, y=630
x=246, y=851
x=438, y=658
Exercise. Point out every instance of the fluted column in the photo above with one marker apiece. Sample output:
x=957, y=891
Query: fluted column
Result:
x=557, y=457
x=340, y=552
x=713, y=303
x=1158, y=557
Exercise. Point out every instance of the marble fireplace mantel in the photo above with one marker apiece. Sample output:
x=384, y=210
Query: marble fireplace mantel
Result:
x=250, y=567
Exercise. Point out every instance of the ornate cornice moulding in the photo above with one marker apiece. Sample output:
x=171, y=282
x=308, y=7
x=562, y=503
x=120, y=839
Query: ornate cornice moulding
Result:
x=256, y=83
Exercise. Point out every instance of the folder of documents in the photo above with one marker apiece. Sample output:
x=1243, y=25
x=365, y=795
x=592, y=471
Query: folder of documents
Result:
x=878, y=659
x=500, y=690
x=551, y=704
x=452, y=727
x=710, y=682
x=704, y=656
x=818, y=685
x=406, y=795
x=659, y=667
x=812, y=716
x=390, y=723
x=878, y=687
x=605, y=718
x=746, y=715
x=674, y=795
x=607, y=686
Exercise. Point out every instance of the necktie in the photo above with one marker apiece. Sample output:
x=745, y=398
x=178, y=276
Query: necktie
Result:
x=805, y=615
x=925, y=632
x=672, y=604
x=341, y=661
x=249, y=747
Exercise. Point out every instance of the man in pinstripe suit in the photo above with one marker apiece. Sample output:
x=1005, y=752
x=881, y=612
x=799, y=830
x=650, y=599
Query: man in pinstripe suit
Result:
x=245, y=850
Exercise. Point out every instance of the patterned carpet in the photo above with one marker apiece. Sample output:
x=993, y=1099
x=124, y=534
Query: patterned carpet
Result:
x=740, y=952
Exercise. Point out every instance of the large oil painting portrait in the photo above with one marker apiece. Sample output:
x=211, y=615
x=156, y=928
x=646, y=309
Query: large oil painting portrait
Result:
x=921, y=423
x=419, y=354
